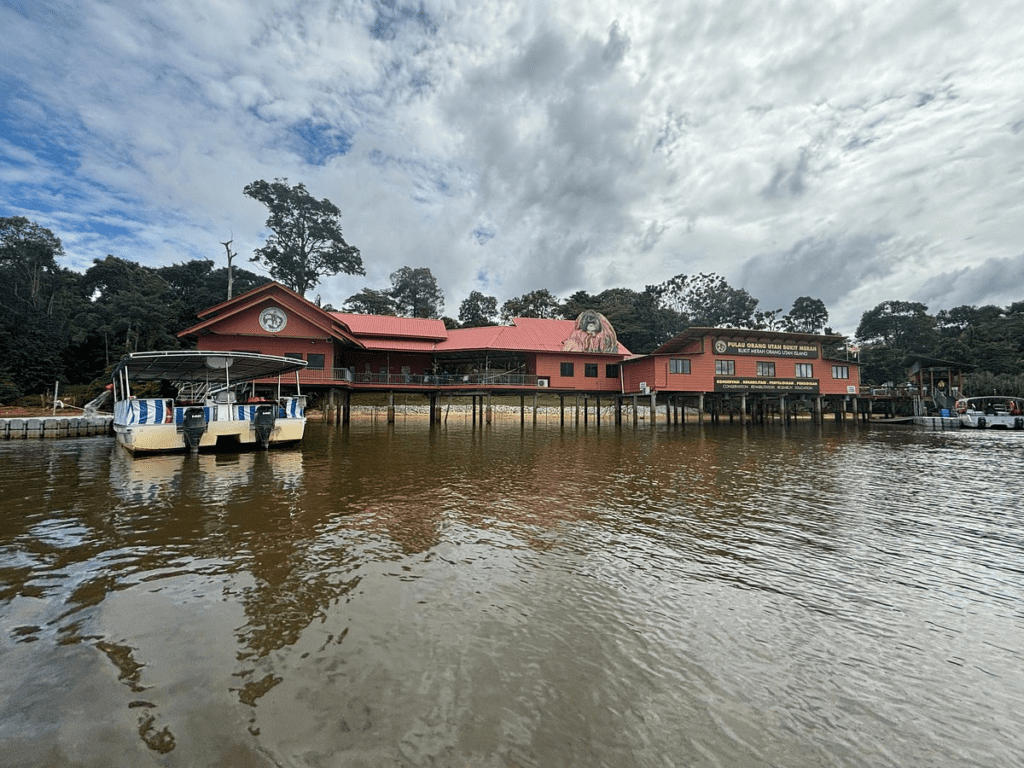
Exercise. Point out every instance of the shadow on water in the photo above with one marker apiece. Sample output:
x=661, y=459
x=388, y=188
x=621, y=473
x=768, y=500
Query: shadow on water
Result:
x=396, y=595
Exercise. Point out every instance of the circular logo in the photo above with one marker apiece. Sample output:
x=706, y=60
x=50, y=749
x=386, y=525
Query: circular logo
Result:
x=720, y=347
x=273, y=319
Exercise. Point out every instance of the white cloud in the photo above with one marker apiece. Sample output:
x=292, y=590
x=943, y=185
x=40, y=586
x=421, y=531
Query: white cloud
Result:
x=840, y=150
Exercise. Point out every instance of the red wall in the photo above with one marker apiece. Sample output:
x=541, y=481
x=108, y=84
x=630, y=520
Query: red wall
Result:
x=549, y=365
x=654, y=371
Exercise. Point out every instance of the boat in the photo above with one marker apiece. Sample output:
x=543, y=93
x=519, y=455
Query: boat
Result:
x=188, y=400
x=991, y=412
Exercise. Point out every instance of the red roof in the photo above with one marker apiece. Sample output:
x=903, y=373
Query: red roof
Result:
x=526, y=334
x=388, y=325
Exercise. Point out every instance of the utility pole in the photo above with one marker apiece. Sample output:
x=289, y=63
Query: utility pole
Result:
x=227, y=247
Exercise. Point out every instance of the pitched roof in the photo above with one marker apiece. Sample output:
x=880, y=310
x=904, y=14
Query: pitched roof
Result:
x=212, y=316
x=388, y=325
x=526, y=334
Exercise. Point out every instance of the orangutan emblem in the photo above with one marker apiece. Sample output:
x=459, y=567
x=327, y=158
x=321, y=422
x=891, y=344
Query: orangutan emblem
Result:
x=593, y=333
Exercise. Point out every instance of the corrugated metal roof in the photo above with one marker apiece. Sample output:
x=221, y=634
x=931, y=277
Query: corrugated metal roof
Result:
x=392, y=344
x=388, y=325
x=526, y=334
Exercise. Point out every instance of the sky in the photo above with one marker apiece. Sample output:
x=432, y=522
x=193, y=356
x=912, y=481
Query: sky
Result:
x=854, y=152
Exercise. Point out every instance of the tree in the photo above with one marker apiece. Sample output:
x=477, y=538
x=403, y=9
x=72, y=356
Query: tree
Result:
x=902, y=326
x=807, y=316
x=889, y=332
x=706, y=300
x=640, y=324
x=478, y=310
x=195, y=285
x=370, y=302
x=415, y=293
x=769, y=320
x=306, y=243
x=127, y=311
x=37, y=299
x=540, y=303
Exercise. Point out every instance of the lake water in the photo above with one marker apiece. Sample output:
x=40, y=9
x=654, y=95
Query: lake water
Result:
x=507, y=597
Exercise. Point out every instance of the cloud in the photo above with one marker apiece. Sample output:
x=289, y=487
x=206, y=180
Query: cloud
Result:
x=837, y=150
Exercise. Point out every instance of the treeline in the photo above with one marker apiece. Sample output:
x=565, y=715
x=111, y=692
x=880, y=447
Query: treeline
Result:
x=60, y=325
x=989, y=339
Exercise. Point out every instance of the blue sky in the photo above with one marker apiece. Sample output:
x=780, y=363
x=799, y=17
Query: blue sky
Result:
x=850, y=151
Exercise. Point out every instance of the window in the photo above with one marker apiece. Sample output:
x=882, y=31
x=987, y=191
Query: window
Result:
x=590, y=370
x=766, y=369
x=840, y=371
x=725, y=367
x=678, y=365
x=315, y=361
x=611, y=371
x=804, y=371
x=567, y=370
x=293, y=355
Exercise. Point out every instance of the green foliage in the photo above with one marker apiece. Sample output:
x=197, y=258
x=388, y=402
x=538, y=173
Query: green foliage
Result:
x=370, y=302
x=985, y=383
x=641, y=325
x=196, y=285
x=903, y=326
x=706, y=300
x=541, y=303
x=415, y=293
x=129, y=308
x=807, y=316
x=306, y=241
x=37, y=299
x=478, y=310
x=9, y=391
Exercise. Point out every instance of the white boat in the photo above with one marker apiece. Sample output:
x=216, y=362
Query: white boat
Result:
x=190, y=399
x=992, y=412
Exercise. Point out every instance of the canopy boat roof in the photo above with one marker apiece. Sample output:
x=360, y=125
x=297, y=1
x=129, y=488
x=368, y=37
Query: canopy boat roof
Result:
x=194, y=365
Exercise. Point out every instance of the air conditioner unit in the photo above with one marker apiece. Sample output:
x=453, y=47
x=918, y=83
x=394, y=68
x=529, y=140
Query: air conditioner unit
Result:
x=542, y=382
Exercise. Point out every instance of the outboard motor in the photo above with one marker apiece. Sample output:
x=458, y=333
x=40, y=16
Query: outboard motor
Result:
x=193, y=426
x=982, y=421
x=1018, y=422
x=263, y=422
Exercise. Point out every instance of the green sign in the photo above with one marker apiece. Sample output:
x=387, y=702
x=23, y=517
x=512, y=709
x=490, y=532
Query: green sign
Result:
x=765, y=384
x=766, y=349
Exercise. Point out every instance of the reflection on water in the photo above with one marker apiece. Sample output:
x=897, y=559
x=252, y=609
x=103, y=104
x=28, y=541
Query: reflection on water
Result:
x=517, y=597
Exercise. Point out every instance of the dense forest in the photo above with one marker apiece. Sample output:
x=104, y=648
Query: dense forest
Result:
x=58, y=325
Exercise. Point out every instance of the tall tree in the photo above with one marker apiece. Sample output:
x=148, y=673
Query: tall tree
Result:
x=415, y=293
x=306, y=241
x=370, y=302
x=539, y=303
x=478, y=310
x=706, y=300
x=37, y=297
x=197, y=284
x=807, y=316
x=640, y=324
x=889, y=332
x=129, y=309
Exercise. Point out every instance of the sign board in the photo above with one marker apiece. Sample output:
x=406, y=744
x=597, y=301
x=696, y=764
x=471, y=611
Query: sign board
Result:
x=765, y=384
x=766, y=349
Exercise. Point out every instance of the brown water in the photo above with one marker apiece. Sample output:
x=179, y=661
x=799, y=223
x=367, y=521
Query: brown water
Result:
x=732, y=596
